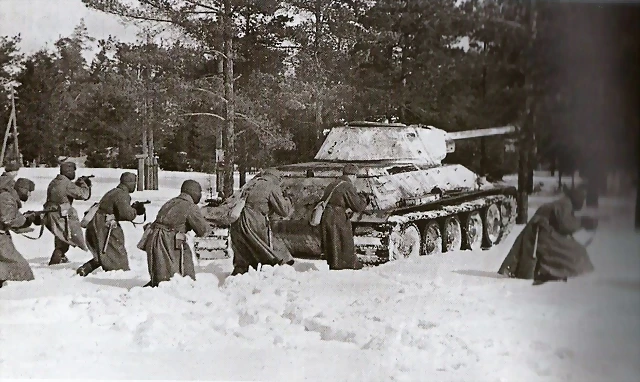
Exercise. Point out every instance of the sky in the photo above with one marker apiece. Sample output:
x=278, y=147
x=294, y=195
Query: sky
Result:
x=41, y=22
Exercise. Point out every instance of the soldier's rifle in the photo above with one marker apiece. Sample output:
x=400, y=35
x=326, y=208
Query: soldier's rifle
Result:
x=39, y=213
x=85, y=180
x=136, y=205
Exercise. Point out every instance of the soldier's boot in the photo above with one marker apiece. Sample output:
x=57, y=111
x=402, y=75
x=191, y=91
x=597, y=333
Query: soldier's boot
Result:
x=542, y=279
x=58, y=257
x=239, y=270
x=88, y=267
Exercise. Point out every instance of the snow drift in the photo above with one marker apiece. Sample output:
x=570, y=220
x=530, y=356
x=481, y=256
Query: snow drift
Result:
x=448, y=317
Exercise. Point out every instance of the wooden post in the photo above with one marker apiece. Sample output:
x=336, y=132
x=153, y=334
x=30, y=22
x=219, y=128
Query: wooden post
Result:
x=142, y=159
x=141, y=174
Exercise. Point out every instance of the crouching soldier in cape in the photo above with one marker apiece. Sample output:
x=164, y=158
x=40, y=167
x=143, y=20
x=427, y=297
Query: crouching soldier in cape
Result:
x=63, y=221
x=545, y=250
x=336, y=230
x=251, y=238
x=104, y=235
x=13, y=265
x=165, y=240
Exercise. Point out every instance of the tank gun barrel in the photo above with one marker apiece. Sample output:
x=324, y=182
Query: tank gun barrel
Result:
x=467, y=134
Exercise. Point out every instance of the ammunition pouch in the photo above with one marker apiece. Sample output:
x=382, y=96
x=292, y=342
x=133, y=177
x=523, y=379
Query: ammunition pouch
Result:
x=64, y=209
x=180, y=239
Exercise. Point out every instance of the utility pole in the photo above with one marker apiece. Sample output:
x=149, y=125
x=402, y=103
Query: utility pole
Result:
x=12, y=127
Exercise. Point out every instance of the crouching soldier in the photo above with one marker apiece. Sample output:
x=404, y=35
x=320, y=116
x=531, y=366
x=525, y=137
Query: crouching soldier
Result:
x=104, y=235
x=63, y=221
x=545, y=250
x=165, y=241
x=12, y=265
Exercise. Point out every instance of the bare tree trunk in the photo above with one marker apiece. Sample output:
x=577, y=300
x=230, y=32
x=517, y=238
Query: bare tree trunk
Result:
x=526, y=144
x=243, y=174
x=319, y=125
x=638, y=199
x=523, y=197
x=559, y=180
x=229, y=157
x=638, y=185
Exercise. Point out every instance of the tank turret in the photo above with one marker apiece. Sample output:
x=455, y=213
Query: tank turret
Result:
x=418, y=205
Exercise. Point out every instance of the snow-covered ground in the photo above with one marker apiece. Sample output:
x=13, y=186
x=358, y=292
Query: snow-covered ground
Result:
x=442, y=318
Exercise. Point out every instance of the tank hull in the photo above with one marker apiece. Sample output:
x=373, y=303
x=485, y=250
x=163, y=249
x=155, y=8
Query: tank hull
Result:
x=372, y=230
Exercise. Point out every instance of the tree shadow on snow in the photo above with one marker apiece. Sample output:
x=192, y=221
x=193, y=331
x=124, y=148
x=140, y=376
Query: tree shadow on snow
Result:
x=43, y=263
x=621, y=284
x=215, y=269
x=304, y=266
x=116, y=283
x=491, y=275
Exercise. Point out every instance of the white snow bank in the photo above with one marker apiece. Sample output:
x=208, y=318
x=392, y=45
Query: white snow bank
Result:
x=448, y=317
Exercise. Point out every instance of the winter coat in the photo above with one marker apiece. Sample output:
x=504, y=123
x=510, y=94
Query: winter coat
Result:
x=63, y=222
x=251, y=238
x=557, y=255
x=114, y=207
x=13, y=265
x=165, y=242
x=336, y=230
x=6, y=182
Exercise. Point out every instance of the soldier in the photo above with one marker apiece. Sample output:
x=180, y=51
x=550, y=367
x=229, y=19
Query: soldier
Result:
x=13, y=265
x=164, y=240
x=337, y=233
x=63, y=222
x=545, y=250
x=104, y=235
x=7, y=179
x=250, y=234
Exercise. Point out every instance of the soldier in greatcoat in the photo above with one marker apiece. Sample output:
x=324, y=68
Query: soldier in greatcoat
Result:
x=104, y=235
x=165, y=240
x=63, y=220
x=336, y=230
x=251, y=239
x=13, y=265
x=7, y=179
x=545, y=250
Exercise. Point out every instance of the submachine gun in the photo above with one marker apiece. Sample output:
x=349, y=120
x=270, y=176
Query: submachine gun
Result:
x=140, y=209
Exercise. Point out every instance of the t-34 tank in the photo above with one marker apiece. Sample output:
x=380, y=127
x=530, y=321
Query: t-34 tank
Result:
x=418, y=206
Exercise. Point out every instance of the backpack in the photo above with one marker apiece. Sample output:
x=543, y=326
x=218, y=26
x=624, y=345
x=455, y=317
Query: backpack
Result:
x=318, y=210
x=229, y=211
x=89, y=214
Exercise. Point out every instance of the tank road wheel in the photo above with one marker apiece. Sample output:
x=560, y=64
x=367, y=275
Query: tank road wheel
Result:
x=404, y=242
x=492, y=225
x=473, y=231
x=432, y=239
x=452, y=234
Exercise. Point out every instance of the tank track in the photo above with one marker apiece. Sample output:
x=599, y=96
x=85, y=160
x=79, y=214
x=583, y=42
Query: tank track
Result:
x=506, y=204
